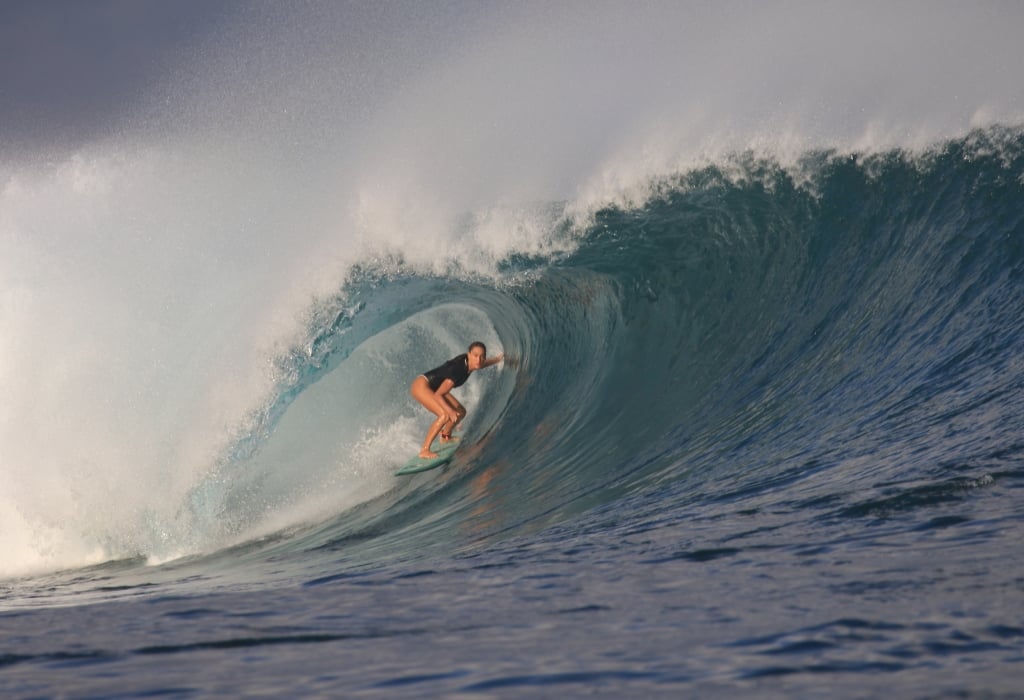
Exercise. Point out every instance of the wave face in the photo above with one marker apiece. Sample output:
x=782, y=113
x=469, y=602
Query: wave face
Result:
x=820, y=329
x=749, y=326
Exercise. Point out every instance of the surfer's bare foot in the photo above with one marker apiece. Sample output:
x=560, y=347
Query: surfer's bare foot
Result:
x=450, y=438
x=427, y=454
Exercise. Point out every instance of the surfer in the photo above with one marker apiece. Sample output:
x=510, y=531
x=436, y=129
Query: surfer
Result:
x=433, y=390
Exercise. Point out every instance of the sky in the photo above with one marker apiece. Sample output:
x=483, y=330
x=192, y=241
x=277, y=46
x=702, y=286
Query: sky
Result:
x=73, y=71
x=67, y=66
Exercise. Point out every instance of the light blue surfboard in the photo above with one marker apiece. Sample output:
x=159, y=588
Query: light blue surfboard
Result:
x=417, y=465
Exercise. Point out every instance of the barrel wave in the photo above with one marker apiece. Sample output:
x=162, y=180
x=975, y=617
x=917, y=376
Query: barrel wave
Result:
x=821, y=333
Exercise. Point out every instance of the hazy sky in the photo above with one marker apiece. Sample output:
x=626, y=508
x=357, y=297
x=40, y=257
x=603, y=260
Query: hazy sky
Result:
x=67, y=65
x=75, y=70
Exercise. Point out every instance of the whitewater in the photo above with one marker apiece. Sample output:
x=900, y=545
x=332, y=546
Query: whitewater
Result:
x=760, y=268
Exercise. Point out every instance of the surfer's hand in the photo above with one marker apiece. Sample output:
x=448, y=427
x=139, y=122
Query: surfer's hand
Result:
x=512, y=362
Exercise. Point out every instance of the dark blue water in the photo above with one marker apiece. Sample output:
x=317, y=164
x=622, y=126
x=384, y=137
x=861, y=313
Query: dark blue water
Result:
x=763, y=439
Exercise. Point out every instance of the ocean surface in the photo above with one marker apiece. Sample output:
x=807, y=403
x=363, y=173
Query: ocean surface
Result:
x=762, y=435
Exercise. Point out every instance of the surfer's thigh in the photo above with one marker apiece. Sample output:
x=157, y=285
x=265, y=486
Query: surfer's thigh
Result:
x=420, y=391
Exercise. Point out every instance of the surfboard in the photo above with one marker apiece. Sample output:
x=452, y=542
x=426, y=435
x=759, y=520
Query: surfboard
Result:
x=417, y=465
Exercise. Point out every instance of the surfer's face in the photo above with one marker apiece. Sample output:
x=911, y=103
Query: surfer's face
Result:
x=476, y=357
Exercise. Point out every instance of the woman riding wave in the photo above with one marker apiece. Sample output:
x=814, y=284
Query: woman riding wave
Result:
x=433, y=390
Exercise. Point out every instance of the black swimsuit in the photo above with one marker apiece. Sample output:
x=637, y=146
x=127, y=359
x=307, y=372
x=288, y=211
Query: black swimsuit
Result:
x=456, y=369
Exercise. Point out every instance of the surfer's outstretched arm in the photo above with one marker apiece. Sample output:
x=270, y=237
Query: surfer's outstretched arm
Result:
x=492, y=360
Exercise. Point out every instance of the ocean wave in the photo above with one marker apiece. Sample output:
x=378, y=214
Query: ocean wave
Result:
x=748, y=327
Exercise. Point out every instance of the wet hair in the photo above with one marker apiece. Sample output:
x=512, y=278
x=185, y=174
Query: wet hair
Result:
x=477, y=344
